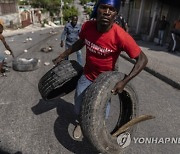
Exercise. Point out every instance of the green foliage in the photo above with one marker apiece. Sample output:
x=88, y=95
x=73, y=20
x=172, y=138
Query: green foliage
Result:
x=69, y=11
x=50, y=5
x=24, y=2
x=88, y=10
x=86, y=1
x=53, y=6
x=67, y=1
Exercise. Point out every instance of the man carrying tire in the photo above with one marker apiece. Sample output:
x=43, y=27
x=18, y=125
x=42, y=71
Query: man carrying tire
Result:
x=104, y=42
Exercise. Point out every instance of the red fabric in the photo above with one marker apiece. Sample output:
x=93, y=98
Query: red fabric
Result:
x=103, y=49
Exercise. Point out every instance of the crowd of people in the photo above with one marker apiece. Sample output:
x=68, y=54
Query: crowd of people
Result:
x=162, y=26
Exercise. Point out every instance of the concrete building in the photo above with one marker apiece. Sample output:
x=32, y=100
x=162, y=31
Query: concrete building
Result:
x=9, y=15
x=142, y=16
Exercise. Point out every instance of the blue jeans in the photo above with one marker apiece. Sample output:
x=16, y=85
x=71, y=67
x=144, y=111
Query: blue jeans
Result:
x=2, y=57
x=83, y=83
x=78, y=53
x=160, y=36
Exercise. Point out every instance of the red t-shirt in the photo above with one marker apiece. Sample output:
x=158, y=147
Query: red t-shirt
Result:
x=103, y=49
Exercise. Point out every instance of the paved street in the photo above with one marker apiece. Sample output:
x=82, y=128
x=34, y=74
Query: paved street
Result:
x=33, y=126
x=30, y=125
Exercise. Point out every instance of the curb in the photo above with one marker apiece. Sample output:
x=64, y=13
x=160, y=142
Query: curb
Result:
x=163, y=78
x=22, y=31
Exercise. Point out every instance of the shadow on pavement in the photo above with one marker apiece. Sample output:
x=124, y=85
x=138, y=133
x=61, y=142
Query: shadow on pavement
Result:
x=154, y=47
x=4, y=152
x=66, y=117
x=44, y=106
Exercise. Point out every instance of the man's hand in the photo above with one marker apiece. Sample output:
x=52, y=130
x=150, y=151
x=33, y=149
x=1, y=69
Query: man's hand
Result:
x=12, y=54
x=62, y=44
x=118, y=88
x=57, y=60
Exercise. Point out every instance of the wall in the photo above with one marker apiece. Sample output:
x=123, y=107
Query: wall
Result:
x=153, y=9
x=9, y=13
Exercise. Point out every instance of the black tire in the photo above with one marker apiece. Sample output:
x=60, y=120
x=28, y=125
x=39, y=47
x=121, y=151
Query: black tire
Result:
x=24, y=64
x=93, y=111
x=60, y=80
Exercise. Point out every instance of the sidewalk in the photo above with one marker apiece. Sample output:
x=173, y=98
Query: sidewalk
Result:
x=162, y=64
x=30, y=28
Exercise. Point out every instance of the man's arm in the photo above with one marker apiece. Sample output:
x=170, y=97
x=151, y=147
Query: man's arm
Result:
x=75, y=47
x=6, y=45
x=63, y=36
x=141, y=62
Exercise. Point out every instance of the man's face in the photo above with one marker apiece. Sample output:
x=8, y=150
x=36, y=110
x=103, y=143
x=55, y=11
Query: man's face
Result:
x=74, y=21
x=106, y=14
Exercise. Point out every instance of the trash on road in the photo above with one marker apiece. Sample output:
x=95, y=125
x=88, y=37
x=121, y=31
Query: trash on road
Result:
x=47, y=63
x=11, y=40
x=25, y=64
x=7, y=52
x=47, y=49
x=28, y=39
x=25, y=50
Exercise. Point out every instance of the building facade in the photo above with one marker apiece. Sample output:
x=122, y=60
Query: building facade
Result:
x=143, y=15
x=9, y=15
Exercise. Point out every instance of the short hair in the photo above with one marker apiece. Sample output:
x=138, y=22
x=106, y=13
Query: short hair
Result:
x=74, y=16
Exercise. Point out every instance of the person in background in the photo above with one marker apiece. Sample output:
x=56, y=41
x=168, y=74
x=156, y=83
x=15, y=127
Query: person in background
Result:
x=104, y=42
x=2, y=58
x=38, y=14
x=71, y=34
x=122, y=22
x=175, y=34
x=162, y=26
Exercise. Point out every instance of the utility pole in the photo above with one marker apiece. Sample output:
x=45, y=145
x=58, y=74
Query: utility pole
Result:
x=61, y=14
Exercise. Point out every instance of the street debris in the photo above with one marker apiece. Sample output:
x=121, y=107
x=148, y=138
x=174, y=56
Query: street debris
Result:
x=28, y=39
x=3, y=75
x=25, y=64
x=7, y=52
x=5, y=70
x=47, y=63
x=25, y=50
x=11, y=40
x=47, y=49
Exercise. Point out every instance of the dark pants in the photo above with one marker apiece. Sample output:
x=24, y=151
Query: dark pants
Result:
x=175, y=35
